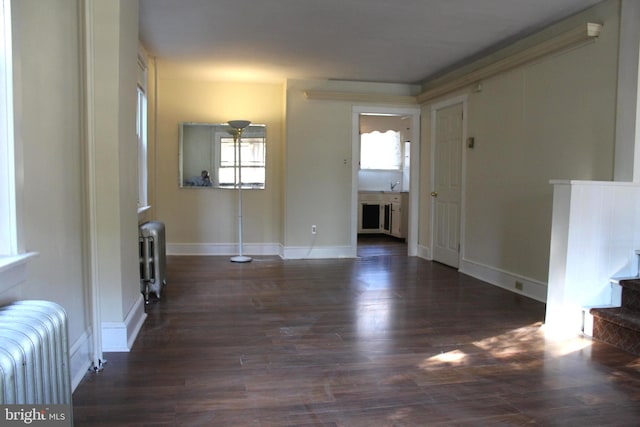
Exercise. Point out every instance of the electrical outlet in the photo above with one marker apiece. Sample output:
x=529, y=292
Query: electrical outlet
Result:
x=519, y=285
x=314, y=229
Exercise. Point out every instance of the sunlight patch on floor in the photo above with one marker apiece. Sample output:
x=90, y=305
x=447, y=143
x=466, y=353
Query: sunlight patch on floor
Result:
x=451, y=358
x=528, y=339
x=513, y=342
x=572, y=345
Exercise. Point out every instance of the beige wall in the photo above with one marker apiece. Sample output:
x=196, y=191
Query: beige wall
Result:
x=319, y=166
x=318, y=169
x=48, y=129
x=204, y=216
x=529, y=126
x=75, y=248
x=115, y=35
x=313, y=167
x=553, y=119
x=128, y=153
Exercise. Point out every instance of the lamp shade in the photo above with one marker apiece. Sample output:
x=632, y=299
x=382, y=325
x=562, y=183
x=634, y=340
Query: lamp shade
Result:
x=239, y=124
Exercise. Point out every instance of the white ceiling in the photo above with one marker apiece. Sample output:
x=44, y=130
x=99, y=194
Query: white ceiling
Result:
x=401, y=41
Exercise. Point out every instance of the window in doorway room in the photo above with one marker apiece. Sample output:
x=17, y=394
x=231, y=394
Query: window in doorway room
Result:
x=381, y=150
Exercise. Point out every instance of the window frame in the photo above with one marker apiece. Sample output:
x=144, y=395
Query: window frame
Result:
x=261, y=164
x=141, y=133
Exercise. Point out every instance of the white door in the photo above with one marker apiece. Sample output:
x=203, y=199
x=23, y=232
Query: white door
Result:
x=446, y=195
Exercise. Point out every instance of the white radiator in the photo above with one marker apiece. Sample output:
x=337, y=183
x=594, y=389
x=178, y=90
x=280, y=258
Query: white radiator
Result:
x=153, y=258
x=34, y=354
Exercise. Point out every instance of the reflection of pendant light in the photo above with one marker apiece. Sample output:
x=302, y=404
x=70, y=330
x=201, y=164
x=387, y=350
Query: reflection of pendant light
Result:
x=238, y=126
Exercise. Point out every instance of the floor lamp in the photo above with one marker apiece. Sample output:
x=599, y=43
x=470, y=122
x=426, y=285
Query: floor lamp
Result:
x=238, y=126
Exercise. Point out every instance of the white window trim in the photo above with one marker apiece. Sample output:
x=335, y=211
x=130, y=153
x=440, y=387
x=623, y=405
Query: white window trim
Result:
x=142, y=149
x=141, y=119
x=8, y=210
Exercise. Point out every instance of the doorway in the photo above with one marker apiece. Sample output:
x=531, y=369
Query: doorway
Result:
x=385, y=195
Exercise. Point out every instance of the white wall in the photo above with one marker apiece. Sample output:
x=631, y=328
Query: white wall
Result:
x=552, y=119
x=595, y=233
x=204, y=220
x=381, y=180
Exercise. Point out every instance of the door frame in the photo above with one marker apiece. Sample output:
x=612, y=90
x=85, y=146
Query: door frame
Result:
x=414, y=185
x=462, y=99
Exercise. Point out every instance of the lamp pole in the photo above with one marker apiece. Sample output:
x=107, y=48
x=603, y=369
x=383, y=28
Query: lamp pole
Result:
x=238, y=127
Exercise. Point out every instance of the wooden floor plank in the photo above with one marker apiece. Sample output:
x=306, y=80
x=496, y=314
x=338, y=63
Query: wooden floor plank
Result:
x=381, y=340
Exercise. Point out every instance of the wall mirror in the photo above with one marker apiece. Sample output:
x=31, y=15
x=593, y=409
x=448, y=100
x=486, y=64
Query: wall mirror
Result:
x=209, y=156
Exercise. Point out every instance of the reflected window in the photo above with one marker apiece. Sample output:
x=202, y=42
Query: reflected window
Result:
x=253, y=165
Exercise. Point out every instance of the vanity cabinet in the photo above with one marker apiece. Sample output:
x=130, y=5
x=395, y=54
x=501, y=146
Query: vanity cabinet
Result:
x=382, y=212
x=369, y=212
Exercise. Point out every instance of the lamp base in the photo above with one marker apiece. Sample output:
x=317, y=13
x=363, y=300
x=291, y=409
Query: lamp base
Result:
x=241, y=258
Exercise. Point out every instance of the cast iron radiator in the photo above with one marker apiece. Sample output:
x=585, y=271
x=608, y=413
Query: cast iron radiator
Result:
x=34, y=354
x=153, y=258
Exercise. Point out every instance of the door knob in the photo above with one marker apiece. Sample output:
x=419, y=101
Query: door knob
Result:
x=434, y=194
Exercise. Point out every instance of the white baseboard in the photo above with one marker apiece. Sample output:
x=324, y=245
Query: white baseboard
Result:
x=255, y=249
x=318, y=252
x=503, y=279
x=530, y=287
x=424, y=252
x=119, y=336
x=223, y=249
x=80, y=359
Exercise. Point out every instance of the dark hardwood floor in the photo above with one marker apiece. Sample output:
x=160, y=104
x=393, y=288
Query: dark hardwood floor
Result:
x=382, y=340
x=380, y=245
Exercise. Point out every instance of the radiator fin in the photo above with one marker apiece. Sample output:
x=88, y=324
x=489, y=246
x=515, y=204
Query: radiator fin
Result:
x=34, y=354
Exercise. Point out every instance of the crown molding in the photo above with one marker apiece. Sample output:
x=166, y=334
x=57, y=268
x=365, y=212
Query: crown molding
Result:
x=366, y=98
x=582, y=34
